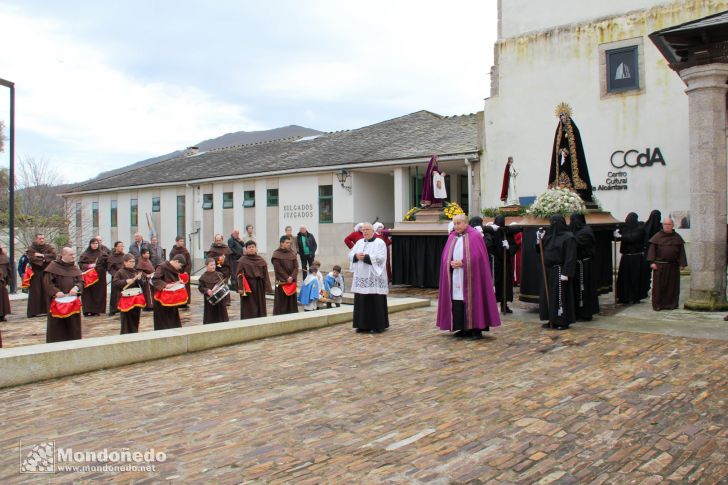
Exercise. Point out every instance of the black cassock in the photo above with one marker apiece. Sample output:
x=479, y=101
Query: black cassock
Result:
x=586, y=297
x=559, y=251
x=631, y=278
x=495, y=249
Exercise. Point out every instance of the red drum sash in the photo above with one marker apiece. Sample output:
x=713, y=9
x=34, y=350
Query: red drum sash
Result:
x=90, y=277
x=65, y=309
x=127, y=303
x=25, y=283
x=175, y=297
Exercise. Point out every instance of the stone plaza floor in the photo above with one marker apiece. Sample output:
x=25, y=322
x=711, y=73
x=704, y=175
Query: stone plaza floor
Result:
x=594, y=404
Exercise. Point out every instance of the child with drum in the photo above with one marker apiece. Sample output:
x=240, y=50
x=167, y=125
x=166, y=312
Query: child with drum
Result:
x=334, y=284
x=212, y=285
x=126, y=281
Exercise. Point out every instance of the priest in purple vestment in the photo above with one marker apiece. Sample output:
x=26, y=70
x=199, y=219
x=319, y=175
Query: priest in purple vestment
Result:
x=466, y=303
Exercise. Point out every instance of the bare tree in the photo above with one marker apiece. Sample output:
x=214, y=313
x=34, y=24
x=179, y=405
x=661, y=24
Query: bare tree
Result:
x=39, y=208
x=2, y=136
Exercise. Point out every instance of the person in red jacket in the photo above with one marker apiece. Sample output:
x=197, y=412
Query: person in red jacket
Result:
x=353, y=237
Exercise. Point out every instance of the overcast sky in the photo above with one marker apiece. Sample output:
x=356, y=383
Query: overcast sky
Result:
x=103, y=84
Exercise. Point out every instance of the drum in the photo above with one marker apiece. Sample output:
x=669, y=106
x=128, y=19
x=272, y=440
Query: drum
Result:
x=184, y=277
x=336, y=292
x=90, y=277
x=131, y=292
x=219, y=292
x=131, y=298
x=65, y=306
x=175, y=295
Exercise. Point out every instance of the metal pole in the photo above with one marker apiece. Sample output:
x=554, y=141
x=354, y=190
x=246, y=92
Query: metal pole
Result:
x=11, y=188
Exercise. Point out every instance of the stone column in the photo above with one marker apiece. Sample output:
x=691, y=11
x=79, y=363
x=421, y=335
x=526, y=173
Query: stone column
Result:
x=707, y=117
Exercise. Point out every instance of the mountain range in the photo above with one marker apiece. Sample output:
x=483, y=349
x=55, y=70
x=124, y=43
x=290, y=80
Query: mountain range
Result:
x=225, y=141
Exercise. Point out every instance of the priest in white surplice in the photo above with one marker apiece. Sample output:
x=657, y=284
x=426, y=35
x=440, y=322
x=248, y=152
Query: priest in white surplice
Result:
x=368, y=260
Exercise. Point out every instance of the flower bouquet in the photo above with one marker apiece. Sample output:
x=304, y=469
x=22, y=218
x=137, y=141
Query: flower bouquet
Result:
x=557, y=201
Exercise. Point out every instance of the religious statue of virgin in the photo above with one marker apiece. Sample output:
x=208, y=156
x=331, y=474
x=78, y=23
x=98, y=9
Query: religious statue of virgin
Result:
x=568, y=161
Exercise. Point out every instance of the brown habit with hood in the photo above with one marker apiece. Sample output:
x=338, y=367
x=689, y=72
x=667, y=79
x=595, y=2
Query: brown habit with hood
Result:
x=667, y=251
x=285, y=265
x=62, y=276
x=212, y=313
x=255, y=270
x=38, y=300
x=165, y=316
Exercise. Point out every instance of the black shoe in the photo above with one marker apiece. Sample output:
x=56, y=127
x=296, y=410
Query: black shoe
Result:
x=361, y=330
x=561, y=327
x=475, y=335
x=463, y=333
x=508, y=310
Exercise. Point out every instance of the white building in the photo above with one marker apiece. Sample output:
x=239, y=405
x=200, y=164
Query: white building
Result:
x=285, y=182
x=629, y=106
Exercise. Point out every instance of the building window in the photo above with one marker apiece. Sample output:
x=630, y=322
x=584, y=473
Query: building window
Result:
x=156, y=204
x=134, y=213
x=114, y=222
x=326, y=204
x=78, y=216
x=249, y=198
x=227, y=200
x=181, y=226
x=95, y=214
x=272, y=198
x=207, y=201
x=623, y=71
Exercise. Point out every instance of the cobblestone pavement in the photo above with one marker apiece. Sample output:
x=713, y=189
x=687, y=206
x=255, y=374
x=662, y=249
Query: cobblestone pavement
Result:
x=413, y=405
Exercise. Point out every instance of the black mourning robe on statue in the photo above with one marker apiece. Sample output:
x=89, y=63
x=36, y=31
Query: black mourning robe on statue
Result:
x=494, y=243
x=94, y=297
x=573, y=173
x=114, y=263
x=129, y=319
x=212, y=313
x=559, y=252
x=586, y=297
x=285, y=265
x=667, y=251
x=165, y=316
x=255, y=269
x=60, y=276
x=38, y=299
x=631, y=280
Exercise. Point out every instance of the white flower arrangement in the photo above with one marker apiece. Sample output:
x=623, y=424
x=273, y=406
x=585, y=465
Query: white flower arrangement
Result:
x=557, y=201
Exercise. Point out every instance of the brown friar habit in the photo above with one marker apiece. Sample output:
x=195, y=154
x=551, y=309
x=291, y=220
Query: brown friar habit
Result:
x=62, y=276
x=114, y=263
x=212, y=313
x=165, y=316
x=94, y=297
x=255, y=270
x=222, y=255
x=667, y=251
x=146, y=267
x=187, y=268
x=285, y=265
x=129, y=319
x=5, y=275
x=37, y=297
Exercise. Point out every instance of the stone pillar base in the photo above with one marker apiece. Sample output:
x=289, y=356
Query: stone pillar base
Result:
x=710, y=302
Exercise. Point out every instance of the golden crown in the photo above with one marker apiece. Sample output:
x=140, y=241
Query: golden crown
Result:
x=563, y=108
